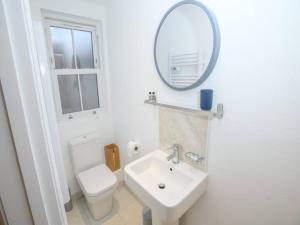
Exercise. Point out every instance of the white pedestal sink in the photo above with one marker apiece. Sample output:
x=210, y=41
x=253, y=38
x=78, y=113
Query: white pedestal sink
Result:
x=168, y=189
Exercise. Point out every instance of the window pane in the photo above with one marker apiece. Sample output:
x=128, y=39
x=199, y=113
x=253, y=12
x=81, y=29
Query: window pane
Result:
x=62, y=47
x=69, y=93
x=84, y=49
x=89, y=91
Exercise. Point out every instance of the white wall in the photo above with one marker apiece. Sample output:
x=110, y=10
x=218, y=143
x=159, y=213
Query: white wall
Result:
x=101, y=123
x=254, y=150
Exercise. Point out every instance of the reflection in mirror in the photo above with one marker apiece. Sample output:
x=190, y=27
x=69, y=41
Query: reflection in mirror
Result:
x=184, y=46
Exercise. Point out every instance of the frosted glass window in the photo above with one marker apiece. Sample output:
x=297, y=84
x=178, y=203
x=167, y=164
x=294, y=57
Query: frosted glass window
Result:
x=74, y=52
x=62, y=47
x=84, y=49
x=69, y=93
x=89, y=91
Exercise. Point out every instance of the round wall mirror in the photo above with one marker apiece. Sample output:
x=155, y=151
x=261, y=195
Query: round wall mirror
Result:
x=187, y=45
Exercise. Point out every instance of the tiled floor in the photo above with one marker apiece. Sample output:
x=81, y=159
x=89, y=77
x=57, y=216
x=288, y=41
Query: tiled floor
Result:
x=127, y=210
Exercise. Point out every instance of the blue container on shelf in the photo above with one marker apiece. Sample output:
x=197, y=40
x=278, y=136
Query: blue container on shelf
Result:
x=206, y=99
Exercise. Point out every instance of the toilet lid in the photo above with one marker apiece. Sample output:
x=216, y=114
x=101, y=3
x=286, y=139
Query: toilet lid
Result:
x=97, y=180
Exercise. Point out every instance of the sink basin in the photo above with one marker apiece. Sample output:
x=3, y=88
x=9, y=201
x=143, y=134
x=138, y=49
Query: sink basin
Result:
x=168, y=189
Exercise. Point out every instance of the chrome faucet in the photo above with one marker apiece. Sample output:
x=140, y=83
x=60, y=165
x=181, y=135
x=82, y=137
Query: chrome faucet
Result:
x=175, y=155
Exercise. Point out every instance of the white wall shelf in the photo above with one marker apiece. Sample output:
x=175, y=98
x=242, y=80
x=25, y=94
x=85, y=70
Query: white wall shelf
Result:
x=208, y=114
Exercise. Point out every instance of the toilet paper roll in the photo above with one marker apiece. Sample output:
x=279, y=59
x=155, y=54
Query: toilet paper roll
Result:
x=133, y=148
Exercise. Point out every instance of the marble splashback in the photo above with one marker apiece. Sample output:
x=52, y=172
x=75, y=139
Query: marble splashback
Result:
x=185, y=128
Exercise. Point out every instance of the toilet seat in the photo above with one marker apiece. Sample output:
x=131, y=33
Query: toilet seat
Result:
x=97, y=180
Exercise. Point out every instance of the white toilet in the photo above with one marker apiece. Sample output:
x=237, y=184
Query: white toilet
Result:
x=95, y=179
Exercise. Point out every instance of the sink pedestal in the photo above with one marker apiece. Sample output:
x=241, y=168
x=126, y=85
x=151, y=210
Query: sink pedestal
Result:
x=157, y=221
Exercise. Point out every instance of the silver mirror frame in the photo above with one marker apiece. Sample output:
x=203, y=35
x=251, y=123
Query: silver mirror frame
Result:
x=216, y=43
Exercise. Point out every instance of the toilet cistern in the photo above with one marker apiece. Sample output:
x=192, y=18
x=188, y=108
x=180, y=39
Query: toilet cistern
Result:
x=175, y=155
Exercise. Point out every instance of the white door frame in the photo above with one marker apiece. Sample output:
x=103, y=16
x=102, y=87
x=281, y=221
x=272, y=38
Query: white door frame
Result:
x=13, y=196
x=27, y=115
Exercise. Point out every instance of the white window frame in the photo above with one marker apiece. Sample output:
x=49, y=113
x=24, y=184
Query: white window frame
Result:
x=53, y=19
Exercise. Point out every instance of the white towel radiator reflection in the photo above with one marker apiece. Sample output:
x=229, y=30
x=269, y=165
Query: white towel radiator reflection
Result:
x=184, y=69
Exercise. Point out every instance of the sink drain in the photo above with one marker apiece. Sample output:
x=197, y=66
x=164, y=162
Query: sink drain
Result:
x=161, y=186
